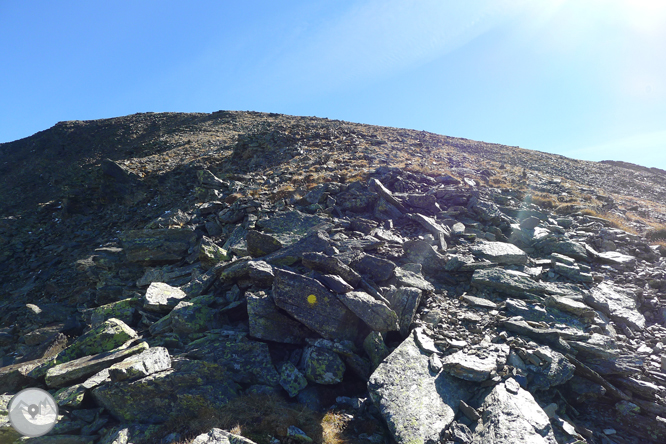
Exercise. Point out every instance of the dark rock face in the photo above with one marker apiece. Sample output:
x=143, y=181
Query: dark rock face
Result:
x=314, y=305
x=414, y=303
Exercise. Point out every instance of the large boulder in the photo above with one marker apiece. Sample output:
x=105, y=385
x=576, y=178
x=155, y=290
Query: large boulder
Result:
x=313, y=305
x=162, y=298
x=186, y=390
x=246, y=361
x=416, y=403
x=269, y=323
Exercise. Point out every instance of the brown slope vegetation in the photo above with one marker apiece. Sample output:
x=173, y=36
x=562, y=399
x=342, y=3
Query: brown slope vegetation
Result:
x=53, y=184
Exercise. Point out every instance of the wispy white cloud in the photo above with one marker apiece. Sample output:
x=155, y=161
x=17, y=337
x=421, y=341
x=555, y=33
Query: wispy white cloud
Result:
x=379, y=38
x=646, y=149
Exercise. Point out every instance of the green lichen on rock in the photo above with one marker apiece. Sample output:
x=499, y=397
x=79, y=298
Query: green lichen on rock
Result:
x=194, y=316
x=323, y=366
x=416, y=404
x=211, y=254
x=291, y=379
x=123, y=310
x=185, y=390
x=375, y=348
x=105, y=337
x=71, y=397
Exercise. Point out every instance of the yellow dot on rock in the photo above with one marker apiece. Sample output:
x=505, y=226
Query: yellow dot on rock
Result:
x=312, y=299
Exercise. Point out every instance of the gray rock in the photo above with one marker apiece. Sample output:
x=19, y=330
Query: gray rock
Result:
x=314, y=305
x=510, y=282
x=162, y=298
x=618, y=303
x=236, y=242
x=376, y=268
x=478, y=302
x=374, y=313
x=124, y=310
x=555, y=369
x=551, y=244
x=270, y=324
x=421, y=252
x=194, y=316
x=404, y=301
x=219, y=436
x=407, y=278
x=323, y=366
x=529, y=223
x=375, y=348
x=416, y=404
x=385, y=194
x=260, y=272
x=289, y=226
x=316, y=242
x=500, y=253
x=260, y=244
x=510, y=414
x=184, y=390
x=331, y=265
x=69, y=372
x=430, y=224
x=248, y=362
x=141, y=365
x=615, y=258
x=105, y=337
x=570, y=305
x=335, y=283
x=477, y=365
x=167, y=245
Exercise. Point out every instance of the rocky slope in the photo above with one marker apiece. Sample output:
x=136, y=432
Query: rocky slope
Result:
x=158, y=268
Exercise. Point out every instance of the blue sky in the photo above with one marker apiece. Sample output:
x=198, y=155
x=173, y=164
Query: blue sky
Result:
x=582, y=78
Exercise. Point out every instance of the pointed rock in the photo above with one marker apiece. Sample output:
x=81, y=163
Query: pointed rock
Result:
x=510, y=414
x=374, y=313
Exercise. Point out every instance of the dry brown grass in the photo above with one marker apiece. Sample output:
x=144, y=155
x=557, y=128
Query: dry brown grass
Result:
x=260, y=417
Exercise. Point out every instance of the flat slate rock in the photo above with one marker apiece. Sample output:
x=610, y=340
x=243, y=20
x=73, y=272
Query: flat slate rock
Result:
x=407, y=278
x=167, y=245
x=618, y=303
x=476, y=366
x=290, y=226
x=66, y=373
x=617, y=258
x=511, y=415
x=312, y=304
x=507, y=281
x=146, y=363
x=416, y=404
x=500, y=253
